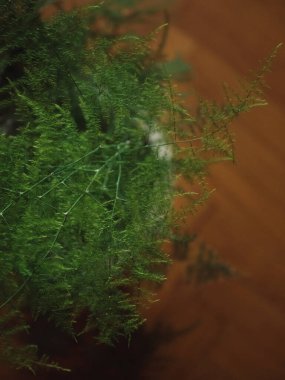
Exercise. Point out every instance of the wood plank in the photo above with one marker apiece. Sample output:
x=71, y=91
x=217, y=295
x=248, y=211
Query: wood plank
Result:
x=241, y=334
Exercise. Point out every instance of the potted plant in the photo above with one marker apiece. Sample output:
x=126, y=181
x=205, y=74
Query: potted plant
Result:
x=94, y=141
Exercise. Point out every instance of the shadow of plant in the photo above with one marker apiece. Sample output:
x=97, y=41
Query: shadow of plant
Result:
x=89, y=360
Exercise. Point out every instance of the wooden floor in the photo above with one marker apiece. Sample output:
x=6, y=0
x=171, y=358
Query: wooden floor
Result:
x=238, y=325
x=232, y=329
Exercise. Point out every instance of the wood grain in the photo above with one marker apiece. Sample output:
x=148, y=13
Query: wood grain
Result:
x=241, y=329
x=234, y=329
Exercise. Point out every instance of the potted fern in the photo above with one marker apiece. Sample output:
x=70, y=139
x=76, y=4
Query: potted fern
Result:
x=93, y=141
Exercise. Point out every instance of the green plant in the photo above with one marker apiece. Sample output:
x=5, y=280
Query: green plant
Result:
x=94, y=141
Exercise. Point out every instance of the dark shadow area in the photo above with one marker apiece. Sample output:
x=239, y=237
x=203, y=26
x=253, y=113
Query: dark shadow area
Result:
x=89, y=360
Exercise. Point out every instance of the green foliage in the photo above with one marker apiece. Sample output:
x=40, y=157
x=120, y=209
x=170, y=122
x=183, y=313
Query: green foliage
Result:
x=88, y=170
x=12, y=326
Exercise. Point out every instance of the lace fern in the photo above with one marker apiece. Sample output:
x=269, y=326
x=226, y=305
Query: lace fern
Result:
x=86, y=188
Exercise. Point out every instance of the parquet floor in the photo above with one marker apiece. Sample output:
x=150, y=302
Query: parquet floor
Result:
x=232, y=329
x=240, y=331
